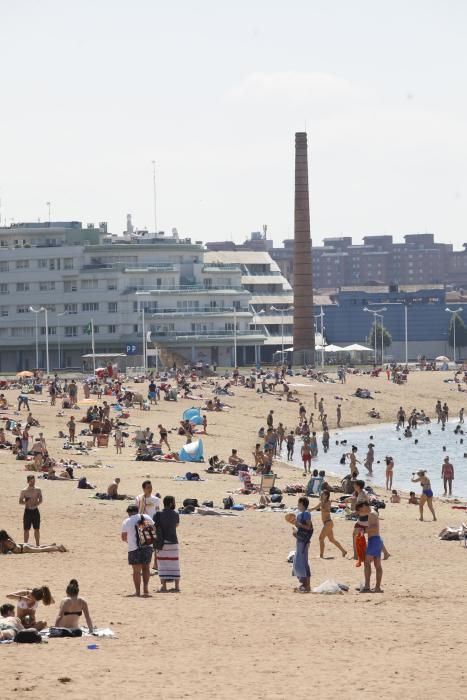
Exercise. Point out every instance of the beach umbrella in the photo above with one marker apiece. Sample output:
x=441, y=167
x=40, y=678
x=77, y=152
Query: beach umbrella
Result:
x=442, y=358
x=332, y=348
x=25, y=373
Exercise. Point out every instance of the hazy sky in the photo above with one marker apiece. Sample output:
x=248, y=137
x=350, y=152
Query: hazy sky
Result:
x=213, y=91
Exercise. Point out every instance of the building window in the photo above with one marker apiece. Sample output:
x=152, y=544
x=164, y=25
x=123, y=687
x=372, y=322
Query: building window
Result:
x=22, y=332
x=50, y=307
x=112, y=285
x=90, y=306
x=3, y=288
x=23, y=309
x=22, y=286
x=71, y=331
x=54, y=264
x=112, y=307
x=71, y=308
x=111, y=329
x=3, y=310
x=22, y=264
x=42, y=263
x=3, y=266
x=46, y=286
x=67, y=263
x=96, y=329
x=70, y=286
x=135, y=328
x=52, y=330
x=89, y=284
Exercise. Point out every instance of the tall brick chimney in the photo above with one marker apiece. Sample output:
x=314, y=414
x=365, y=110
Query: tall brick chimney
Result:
x=303, y=317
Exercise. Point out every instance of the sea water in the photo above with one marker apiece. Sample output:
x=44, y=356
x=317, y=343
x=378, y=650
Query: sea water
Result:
x=409, y=456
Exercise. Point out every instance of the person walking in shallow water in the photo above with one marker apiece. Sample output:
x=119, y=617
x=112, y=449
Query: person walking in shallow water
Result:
x=447, y=475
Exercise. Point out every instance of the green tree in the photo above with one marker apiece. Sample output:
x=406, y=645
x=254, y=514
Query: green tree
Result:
x=387, y=338
x=461, y=331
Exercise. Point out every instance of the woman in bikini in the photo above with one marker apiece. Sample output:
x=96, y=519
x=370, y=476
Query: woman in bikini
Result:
x=328, y=527
x=71, y=609
x=9, y=546
x=389, y=472
x=427, y=493
x=27, y=602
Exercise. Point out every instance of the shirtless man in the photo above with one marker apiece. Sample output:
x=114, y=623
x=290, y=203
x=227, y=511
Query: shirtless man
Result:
x=374, y=549
x=112, y=489
x=31, y=498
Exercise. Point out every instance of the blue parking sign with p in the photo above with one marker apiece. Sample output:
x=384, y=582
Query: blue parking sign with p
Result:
x=131, y=349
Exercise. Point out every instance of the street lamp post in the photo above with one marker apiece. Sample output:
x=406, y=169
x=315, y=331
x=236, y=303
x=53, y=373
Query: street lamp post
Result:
x=235, y=335
x=377, y=314
x=282, y=310
x=36, y=311
x=454, y=313
x=64, y=313
x=257, y=347
x=321, y=316
x=47, y=364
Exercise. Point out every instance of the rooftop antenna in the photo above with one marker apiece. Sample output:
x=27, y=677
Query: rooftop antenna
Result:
x=48, y=207
x=265, y=231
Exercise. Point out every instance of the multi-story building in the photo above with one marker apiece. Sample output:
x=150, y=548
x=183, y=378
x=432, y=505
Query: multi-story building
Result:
x=419, y=260
x=198, y=309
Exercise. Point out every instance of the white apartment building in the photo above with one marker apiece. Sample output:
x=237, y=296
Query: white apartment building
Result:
x=271, y=300
x=194, y=306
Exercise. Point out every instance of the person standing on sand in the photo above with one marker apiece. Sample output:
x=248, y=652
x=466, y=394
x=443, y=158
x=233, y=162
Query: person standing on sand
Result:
x=290, y=446
x=461, y=415
x=163, y=436
x=374, y=549
x=315, y=400
x=139, y=557
x=168, y=562
x=71, y=429
x=306, y=456
x=303, y=534
x=31, y=498
x=427, y=493
x=339, y=415
x=447, y=474
x=328, y=527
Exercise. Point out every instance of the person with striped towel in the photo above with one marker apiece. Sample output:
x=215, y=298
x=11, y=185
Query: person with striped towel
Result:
x=167, y=551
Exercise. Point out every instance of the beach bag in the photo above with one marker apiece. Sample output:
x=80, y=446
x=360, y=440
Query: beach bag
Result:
x=228, y=502
x=28, y=637
x=145, y=534
x=191, y=502
x=64, y=632
x=276, y=498
x=274, y=490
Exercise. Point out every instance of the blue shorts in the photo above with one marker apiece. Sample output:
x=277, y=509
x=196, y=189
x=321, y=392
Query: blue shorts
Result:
x=428, y=493
x=374, y=547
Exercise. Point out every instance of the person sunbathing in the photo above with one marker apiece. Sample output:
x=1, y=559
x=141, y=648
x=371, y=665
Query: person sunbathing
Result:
x=27, y=602
x=10, y=625
x=71, y=609
x=9, y=546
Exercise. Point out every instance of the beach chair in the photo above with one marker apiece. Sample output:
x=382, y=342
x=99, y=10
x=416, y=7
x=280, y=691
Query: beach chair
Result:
x=267, y=482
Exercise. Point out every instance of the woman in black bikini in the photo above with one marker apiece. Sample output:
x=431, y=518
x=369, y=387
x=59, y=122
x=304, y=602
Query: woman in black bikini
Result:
x=71, y=609
x=328, y=527
x=9, y=546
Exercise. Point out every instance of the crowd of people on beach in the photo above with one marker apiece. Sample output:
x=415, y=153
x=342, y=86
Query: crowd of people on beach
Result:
x=150, y=528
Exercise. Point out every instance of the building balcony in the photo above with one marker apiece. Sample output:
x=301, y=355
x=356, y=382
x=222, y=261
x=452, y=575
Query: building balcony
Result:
x=207, y=338
x=201, y=311
x=184, y=289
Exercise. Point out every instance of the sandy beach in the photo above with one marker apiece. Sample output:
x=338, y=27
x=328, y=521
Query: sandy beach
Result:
x=237, y=629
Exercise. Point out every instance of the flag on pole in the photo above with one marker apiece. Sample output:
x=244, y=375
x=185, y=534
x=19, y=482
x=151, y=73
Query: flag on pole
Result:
x=88, y=329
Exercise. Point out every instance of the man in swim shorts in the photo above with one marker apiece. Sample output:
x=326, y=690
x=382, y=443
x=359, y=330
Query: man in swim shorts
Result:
x=374, y=548
x=31, y=498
